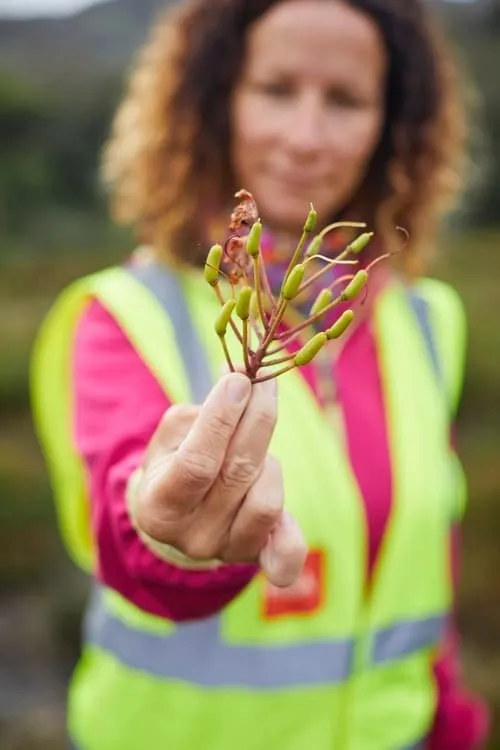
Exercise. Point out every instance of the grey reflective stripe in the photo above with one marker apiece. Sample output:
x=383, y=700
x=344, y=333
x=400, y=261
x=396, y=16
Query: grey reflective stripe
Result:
x=196, y=653
x=406, y=638
x=164, y=285
x=420, y=307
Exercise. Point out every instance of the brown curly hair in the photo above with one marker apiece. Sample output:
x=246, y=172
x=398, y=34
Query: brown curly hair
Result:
x=168, y=155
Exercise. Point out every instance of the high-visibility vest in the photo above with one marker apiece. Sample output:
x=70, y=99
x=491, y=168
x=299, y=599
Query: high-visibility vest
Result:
x=349, y=671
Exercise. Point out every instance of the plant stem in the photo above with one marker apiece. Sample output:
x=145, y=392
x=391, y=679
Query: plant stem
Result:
x=226, y=353
x=378, y=260
x=285, y=338
x=340, y=225
x=255, y=328
x=280, y=361
x=273, y=375
x=267, y=287
x=258, y=290
x=275, y=321
x=297, y=253
x=322, y=271
x=245, y=345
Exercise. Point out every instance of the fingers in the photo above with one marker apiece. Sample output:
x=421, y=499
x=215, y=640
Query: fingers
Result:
x=245, y=456
x=195, y=465
x=257, y=516
x=172, y=430
x=209, y=486
x=285, y=552
x=186, y=455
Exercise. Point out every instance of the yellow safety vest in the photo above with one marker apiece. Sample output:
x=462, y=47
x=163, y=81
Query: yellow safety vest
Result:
x=354, y=672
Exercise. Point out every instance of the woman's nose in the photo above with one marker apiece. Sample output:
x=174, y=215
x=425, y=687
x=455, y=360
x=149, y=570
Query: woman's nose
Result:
x=305, y=128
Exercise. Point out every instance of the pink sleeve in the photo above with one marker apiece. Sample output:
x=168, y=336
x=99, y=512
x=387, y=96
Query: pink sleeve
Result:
x=118, y=405
x=461, y=721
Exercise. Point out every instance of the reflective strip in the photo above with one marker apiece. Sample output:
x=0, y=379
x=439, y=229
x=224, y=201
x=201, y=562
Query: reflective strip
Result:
x=422, y=313
x=405, y=638
x=164, y=284
x=196, y=652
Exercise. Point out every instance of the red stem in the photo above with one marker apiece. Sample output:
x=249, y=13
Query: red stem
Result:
x=273, y=375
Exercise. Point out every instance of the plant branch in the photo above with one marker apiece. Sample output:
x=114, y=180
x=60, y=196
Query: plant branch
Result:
x=279, y=361
x=273, y=375
x=258, y=290
x=226, y=353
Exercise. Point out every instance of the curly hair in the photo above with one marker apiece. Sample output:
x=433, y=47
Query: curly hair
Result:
x=167, y=158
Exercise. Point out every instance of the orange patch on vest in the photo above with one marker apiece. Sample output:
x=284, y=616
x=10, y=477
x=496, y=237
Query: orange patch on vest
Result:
x=302, y=597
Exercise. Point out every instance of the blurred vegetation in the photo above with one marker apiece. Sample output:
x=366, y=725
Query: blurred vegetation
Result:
x=53, y=228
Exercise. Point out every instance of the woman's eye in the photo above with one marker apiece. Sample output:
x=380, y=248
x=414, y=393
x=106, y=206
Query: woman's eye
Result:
x=344, y=99
x=274, y=89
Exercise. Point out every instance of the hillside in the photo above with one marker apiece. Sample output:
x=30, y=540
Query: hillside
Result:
x=96, y=42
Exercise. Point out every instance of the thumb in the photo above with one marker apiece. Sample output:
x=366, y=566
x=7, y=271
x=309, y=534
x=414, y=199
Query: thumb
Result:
x=285, y=552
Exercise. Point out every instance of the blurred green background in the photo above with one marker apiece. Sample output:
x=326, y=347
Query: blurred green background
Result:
x=59, y=82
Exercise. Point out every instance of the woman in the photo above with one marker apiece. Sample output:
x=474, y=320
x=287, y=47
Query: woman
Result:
x=220, y=619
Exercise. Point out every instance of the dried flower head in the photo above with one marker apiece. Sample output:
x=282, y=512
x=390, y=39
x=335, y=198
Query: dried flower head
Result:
x=254, y=313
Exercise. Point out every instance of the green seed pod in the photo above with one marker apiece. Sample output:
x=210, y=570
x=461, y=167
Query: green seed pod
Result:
x=315, y=246
x=322, y=300
x=253, y=239
x=341, y=326
x=293, y=281
x=243, y=303
x=355, y=286
x=310, y=223
x=359, y=244
x=224, y=317
x=212, y=264
x=310, y=350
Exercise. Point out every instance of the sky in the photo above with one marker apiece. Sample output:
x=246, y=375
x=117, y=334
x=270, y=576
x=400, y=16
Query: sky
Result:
x=42, y=7
x=53, y=7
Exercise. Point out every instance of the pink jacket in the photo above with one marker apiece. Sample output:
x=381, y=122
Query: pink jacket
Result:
x=118, y=405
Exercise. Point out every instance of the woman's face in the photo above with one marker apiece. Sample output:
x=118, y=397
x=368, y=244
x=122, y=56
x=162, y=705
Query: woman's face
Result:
x=308, y=110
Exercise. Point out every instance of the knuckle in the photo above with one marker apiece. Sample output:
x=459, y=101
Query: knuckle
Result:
x=266, y=498
x=196, y=469
x=223, y=421
x=266, y=508
x=265, y=515
x=173, y=415
x=198, y=546
x=265, y=416
x=172, y=428
x=148, y=518
x=180, y=418
x=238, y=471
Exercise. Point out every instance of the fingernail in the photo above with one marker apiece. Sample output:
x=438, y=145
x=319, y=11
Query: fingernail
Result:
x=238, y=388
